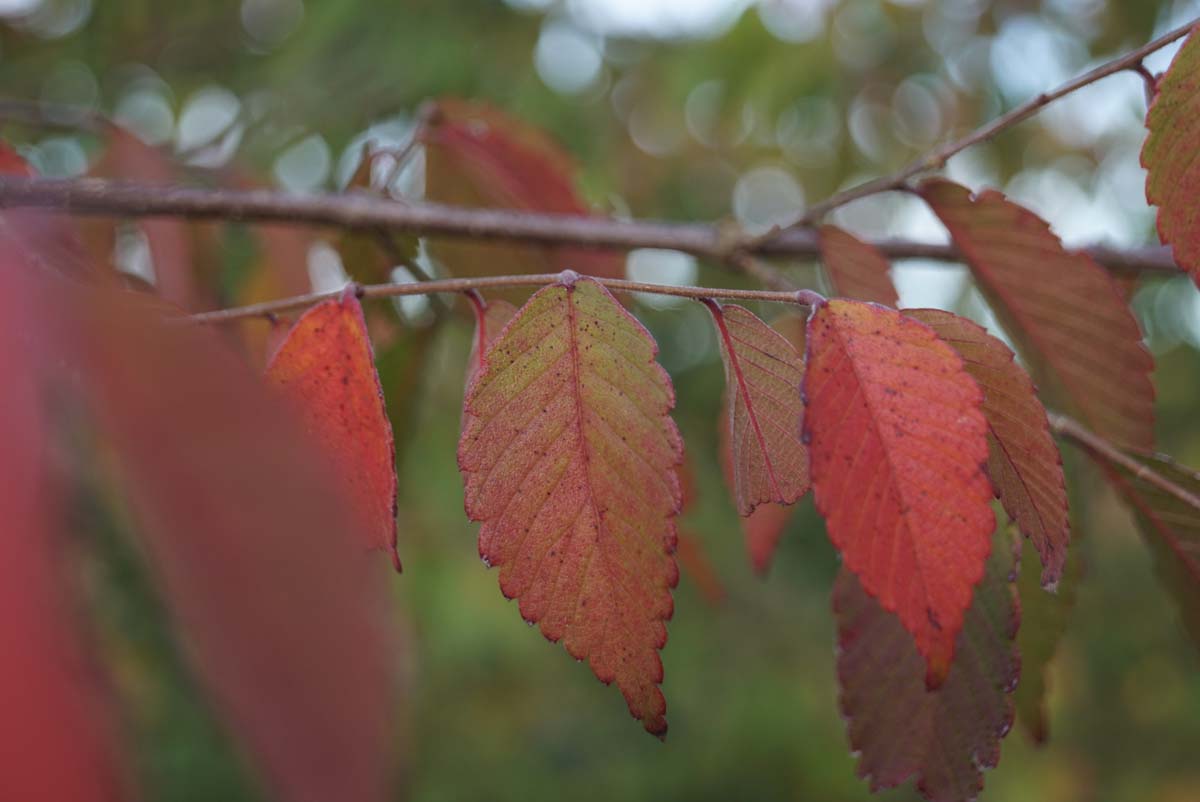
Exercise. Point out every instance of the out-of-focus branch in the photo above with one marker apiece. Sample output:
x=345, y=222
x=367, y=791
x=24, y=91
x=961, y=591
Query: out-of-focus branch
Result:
x=88, y=196
x=937, y=159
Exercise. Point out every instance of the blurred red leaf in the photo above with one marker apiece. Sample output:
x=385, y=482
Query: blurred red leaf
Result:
x=1023, y=461
x=237, y=511
x=326, y=365
x=56, y=742
x=569, y=458
x=1173, y=177
x=1063, y=309
x=698, y=567
x=899, y=449
x=476, y=155
x=943, y=738
x=856, y=269
x=41, y=239
x=762, y=379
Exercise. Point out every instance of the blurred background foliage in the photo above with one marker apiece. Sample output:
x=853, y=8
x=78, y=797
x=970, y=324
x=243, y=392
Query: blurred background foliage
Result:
x=677, y=109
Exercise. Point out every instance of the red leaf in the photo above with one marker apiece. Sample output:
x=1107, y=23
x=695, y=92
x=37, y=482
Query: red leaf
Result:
x=569, y=458
x=327, y=367
x=901, y=730
x=40, y=239
x=56, y=742
x=899, y=447
x=1065, y=311
x=762, y=378
x=238, y=511
x=856, y=269
x=1173, y=178
x=1023, y=461
x=476, y=155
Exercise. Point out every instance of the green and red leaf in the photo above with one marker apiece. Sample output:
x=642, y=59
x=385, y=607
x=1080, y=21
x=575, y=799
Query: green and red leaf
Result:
x=326, y=366
x=1023, y=461
x=569, y=457
x=942, y=738
x=1064, y=311
x=1173, y=175
x=899, y=449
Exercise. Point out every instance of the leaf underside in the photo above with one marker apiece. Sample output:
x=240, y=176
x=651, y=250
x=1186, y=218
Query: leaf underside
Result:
x=942, y=738
x=1065, y=311
x=1173, y=177
x=569, y=457
x=1023, y=462
x=326, y=367
x=856, y=269
x=899, y=448
x=763, y=372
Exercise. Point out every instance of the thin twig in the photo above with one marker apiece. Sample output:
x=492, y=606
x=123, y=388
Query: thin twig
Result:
x=487, y=282
x=1096, y=445
x=936, y=159
x=357, y=211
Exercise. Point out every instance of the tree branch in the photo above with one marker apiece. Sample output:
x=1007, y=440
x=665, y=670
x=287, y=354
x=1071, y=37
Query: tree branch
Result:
x=473, y=285
x=89, y=196
x=936, y=159
x=1097, y=446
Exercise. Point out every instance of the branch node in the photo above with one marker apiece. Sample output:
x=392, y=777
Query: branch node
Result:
x=811, y=299
x=567, y=278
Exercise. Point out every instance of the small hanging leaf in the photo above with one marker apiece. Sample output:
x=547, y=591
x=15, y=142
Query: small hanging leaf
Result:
x=942, y=738
x=1065, y=311
x=326, y=366
x=1023, y=461
x=762, y=379
x=569, y=458
x=856, y=269
x=1173, y=177
x=899, y=450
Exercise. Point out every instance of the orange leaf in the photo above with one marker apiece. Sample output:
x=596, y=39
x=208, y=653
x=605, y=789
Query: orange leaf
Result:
x=56, y=742
x=1023, y=461
x=898, y=728
x=1173, y=177
x=569, y=457
x=762, y=378
x=326, y=366
x=476, y=155
x=899, y=448
x=1064, y=310
x=238, y=510
x=856, y=269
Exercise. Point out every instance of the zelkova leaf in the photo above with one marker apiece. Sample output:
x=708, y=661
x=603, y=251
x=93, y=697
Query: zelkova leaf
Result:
x=325, y=364
x=943, y=738
x=1165, y=498
x=1023, y=461
x=56, y=742
x=569, y=457
x=762, y=378
x=476, y=155
x=899, y=449
x=856, y=269
x=763, y=527
x=1065, y=311
x=283, y=620
x=1173, y=177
